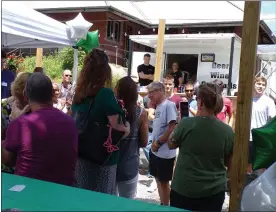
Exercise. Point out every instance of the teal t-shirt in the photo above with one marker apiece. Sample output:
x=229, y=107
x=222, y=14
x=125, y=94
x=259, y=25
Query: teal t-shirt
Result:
x=105, y=104
x=204, y=145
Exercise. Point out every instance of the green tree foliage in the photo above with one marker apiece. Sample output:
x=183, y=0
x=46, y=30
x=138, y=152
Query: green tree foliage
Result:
x=54, y=65
x=66, y=55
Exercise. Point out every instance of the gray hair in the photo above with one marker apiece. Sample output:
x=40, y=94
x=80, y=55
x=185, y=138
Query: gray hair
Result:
x=156, y=86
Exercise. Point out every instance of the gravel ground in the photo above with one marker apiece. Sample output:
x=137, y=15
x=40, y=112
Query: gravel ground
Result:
x=147, y=189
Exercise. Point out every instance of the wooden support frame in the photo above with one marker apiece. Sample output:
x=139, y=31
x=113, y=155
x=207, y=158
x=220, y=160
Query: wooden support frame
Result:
x=159, y=49
x=39, y=56
x=250, y=33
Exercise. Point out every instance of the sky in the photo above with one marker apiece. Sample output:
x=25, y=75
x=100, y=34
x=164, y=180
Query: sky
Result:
x=268, y=9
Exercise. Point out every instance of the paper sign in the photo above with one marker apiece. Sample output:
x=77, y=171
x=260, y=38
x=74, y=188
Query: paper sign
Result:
x=4, y=84
x=17, y=188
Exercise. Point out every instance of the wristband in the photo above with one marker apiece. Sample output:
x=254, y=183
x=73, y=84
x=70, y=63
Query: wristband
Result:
x=159, y=143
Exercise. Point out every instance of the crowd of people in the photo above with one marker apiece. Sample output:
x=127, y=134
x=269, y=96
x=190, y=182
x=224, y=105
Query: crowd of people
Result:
x=88, y=135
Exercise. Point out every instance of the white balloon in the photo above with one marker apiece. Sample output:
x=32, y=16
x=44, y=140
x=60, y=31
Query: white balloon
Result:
x=78, y=28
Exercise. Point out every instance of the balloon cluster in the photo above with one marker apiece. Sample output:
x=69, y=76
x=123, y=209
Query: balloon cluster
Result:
x=78, y=30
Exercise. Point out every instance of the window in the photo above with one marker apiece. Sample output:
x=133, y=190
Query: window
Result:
x=114, y=30
x=129, y=32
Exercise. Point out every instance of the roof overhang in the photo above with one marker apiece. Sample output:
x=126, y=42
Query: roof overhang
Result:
x=189, y=43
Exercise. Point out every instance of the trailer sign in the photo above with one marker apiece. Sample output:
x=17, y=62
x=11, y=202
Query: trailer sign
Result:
x=207, y=57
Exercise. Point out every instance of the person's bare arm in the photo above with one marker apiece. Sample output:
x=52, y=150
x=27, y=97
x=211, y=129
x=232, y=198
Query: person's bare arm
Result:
x=143, y=130
x=165, y=137
x=151, y=114
x=7, y=158
x=171, y=144
x=180, y=80
x=113, y=121
x=193, y=111
x=228, y=164
x=149, y=76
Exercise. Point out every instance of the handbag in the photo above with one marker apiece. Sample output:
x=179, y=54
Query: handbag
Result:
x=97, y=141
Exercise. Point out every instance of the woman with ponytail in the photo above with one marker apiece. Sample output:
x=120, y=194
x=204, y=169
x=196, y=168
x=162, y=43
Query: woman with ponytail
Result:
x=205, y=150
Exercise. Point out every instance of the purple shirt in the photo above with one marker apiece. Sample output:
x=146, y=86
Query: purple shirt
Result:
x=45, y=143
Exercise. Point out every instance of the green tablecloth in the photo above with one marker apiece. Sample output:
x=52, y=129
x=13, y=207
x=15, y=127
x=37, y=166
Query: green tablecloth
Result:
x=45, y=196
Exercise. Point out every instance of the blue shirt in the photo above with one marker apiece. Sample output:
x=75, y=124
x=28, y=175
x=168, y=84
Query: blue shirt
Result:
x=7, y=77
x=192, y=104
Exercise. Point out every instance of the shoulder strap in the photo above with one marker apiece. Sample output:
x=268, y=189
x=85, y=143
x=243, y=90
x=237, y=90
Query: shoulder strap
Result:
x=89, y=109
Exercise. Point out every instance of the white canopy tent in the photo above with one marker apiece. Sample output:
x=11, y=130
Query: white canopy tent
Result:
x=174, y=12
x=23, y=27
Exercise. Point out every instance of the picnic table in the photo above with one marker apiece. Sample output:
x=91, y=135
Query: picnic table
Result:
x=45, y=196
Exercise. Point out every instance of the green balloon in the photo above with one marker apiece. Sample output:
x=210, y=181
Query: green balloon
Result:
x=264, y=145
x=92, y=41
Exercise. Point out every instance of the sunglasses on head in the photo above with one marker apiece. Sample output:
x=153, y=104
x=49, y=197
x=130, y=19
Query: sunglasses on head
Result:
x=68, y=75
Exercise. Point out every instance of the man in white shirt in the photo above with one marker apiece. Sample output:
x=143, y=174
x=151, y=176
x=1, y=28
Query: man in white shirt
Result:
x=161, y=158
x=263, y=110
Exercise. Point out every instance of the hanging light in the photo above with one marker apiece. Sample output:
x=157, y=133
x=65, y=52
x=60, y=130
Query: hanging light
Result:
x=125, y=34
x=183, y=31
x=199, y=32
x=139, y=32
x=99, y=35
x=167, y=28
x=153, y=29
x=112, y=35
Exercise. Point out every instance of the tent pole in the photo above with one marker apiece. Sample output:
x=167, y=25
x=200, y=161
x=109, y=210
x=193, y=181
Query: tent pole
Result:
x=250, y=33
x=159, y=49
x=229, y=87
x=75, y=66
x=39, y=55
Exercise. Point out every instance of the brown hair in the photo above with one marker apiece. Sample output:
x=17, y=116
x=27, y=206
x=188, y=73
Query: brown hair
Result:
x=210, y=95
x=18, y=87
x=260, y=79
x=189, y=83
x=127, y=91
x=169, y=77
x=219, y=83
x=39, y=69
x=95, y=74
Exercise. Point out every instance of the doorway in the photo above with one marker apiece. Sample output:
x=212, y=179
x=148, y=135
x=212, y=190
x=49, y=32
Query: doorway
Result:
x=187, y=62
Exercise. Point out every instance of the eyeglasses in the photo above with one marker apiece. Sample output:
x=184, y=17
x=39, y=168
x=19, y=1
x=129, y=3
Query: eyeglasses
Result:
x=67, y=75
x=189, y=91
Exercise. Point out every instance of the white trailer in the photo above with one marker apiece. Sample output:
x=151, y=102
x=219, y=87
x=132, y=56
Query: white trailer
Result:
x=217, y=56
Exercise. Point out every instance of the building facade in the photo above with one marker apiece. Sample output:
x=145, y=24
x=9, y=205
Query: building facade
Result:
x=114, y=28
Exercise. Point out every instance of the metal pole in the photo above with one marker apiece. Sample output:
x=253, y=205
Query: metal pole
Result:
x=129, y=61
x=231, y=66
x=116, y=55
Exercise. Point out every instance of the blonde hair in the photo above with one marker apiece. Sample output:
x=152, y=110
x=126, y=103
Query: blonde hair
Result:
x=260, y=79
x=18, y=86
x=209, y=93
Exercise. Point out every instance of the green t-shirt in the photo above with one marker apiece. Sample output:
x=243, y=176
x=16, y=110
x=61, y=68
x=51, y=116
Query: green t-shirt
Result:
x=105, y=104
x=204, y=144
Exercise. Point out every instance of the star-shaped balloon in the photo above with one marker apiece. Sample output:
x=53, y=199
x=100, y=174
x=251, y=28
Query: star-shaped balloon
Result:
x=78, y=28
x=91, y=41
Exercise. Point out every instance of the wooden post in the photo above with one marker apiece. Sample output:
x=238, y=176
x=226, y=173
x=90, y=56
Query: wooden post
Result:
x=159, y=50
x=39, y=55
x=250, y=33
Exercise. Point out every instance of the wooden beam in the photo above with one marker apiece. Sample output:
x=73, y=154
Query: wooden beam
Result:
x=159, y=49
x=39, y=55
x=250, y=33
